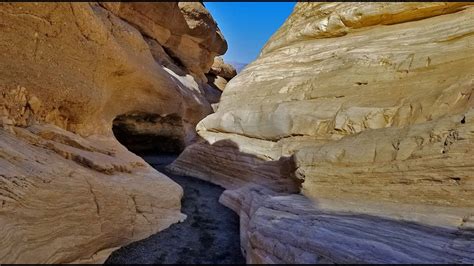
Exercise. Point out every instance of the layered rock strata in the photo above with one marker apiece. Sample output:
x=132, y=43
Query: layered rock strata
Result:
x=70, y=199
x=69, y=191
x=366, y=110
x=186, y=31
x=281, y=228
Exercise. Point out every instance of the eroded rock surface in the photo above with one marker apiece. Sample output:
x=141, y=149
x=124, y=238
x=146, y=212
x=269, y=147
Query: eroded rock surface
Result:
x=366, y=109
x=278, y=228
x=69, y=191
x=218, y=77
x=220, y=68
x=186, y=31
x=70, y=199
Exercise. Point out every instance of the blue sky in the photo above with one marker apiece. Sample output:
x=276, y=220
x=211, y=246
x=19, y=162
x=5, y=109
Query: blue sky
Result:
x=247, y=26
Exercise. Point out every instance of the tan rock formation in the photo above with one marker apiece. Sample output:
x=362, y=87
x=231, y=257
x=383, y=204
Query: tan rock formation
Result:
x=370, y=106
x=220, y=74
x=69, y=192
x=186, y=30
x=220, y=68
x=278, y=228
x=98, y=51
x=216, y=82
x=70, y=199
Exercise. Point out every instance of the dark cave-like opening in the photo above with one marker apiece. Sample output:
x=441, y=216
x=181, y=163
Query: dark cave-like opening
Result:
x=145, y=133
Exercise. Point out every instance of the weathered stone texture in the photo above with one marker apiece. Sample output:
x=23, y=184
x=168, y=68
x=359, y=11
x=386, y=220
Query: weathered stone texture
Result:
x=370, y=107
x=69, y=192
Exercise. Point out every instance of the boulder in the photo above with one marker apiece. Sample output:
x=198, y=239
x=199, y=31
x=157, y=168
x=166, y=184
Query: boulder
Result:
x=222, y=69
x=220, y=74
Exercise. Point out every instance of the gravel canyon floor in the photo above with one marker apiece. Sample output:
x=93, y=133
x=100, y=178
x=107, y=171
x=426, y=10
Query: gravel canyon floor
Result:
x=210, y=233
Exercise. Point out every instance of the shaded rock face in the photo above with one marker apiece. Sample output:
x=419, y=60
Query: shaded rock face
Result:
x=277, y=228
x=69, y=191
x=372, y=103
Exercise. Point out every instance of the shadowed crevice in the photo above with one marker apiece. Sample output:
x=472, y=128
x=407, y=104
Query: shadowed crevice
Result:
x=209, y=235
x=144, y=133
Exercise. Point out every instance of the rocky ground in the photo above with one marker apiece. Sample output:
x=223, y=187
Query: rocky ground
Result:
x=210, y=234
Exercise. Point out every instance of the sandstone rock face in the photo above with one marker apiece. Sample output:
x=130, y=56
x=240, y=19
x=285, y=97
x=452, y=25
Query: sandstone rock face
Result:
x=220, y=68
x=70, y=199
x=278, y=228
x=69, y=192
x=366, y=109
x=220, y=74
x=97, y=50
x=185, y=30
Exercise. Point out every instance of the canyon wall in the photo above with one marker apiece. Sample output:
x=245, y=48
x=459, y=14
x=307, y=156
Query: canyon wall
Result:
x=69, y=191
x=350, y=138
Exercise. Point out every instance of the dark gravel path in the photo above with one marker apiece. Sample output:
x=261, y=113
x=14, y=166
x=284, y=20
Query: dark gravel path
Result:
x=210, y=234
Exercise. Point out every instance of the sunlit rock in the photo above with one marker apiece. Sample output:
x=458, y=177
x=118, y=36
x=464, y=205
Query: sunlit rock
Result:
x=69, y=191
x=366, y=109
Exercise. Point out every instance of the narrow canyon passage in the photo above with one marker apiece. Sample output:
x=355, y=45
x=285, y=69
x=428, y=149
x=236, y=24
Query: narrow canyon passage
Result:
x=210, y=234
